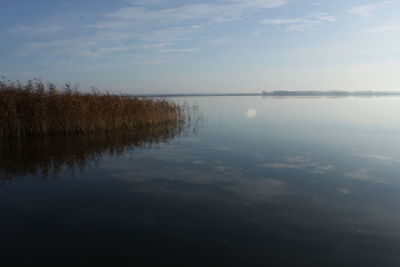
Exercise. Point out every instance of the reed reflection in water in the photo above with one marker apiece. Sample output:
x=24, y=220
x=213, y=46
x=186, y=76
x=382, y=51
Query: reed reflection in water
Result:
x=48, y=156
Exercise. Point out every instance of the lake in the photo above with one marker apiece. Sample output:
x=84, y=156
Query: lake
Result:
x=257, y=181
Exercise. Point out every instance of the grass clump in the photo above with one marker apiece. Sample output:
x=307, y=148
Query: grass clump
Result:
x=40, y=109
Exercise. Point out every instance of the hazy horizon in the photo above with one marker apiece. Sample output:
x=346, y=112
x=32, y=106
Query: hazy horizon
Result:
x=226, y=46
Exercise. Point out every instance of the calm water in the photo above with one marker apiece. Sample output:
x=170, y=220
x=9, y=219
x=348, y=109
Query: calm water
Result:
x=262, y=182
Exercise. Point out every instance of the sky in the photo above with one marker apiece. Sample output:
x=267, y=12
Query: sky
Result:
x=190, y=46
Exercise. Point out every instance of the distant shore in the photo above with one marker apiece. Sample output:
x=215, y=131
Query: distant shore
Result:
x=331, y=93
x=284, y=93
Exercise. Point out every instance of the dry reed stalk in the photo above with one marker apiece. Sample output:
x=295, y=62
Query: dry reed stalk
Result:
x=39, y=109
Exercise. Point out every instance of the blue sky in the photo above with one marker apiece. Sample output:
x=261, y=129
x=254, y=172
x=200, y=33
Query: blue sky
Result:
x=162, y=46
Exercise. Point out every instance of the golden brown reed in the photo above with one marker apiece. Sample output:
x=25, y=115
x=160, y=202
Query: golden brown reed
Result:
x=40, y=109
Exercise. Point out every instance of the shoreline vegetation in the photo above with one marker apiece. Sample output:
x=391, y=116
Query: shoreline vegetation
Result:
x=40, y=109
x=45, y=131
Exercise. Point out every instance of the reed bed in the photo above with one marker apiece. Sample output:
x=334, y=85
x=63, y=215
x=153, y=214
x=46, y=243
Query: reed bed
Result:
x=40, y=109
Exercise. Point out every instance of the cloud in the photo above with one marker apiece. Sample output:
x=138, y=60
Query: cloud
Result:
x=284, y=166
x=258, y=189
x=389, y=28
x=167, y=34
x=364, y=175
x=370, y=9
x=140, y=32
x=300, y=23
x=259, y=3
x=382, y=157
x=143, y=2
x=323, y=169
x=364, y=11
x=143, y=28
x=216, y=12
x=230, y=183
x=48, y=28
x=344, y=191
x=179, y=50
x=300, y=163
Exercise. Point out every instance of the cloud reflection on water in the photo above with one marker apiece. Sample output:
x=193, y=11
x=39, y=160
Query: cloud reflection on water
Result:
x=300, y=163
x=365, y=175
x=235, y=184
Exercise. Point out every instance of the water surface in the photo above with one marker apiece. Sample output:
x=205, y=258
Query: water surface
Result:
x=263, y=182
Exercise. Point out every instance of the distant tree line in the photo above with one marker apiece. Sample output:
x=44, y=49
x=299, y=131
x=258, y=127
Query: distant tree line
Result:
x=330, y=93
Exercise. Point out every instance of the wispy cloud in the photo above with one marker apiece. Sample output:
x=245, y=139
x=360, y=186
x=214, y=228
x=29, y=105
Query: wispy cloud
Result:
x=299, y=163
x=142, y=27
x=217, y=12
x=300, y=23
x=382, y=29
x=47, y=28
x=370, y=9
x=344, y=191
x=381, y=157
x=258, y=190
x=179, y=50
x=365, y=175
x=231, y=183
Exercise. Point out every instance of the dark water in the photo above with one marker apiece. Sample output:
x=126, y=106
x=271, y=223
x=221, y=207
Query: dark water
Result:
x=263, y=182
